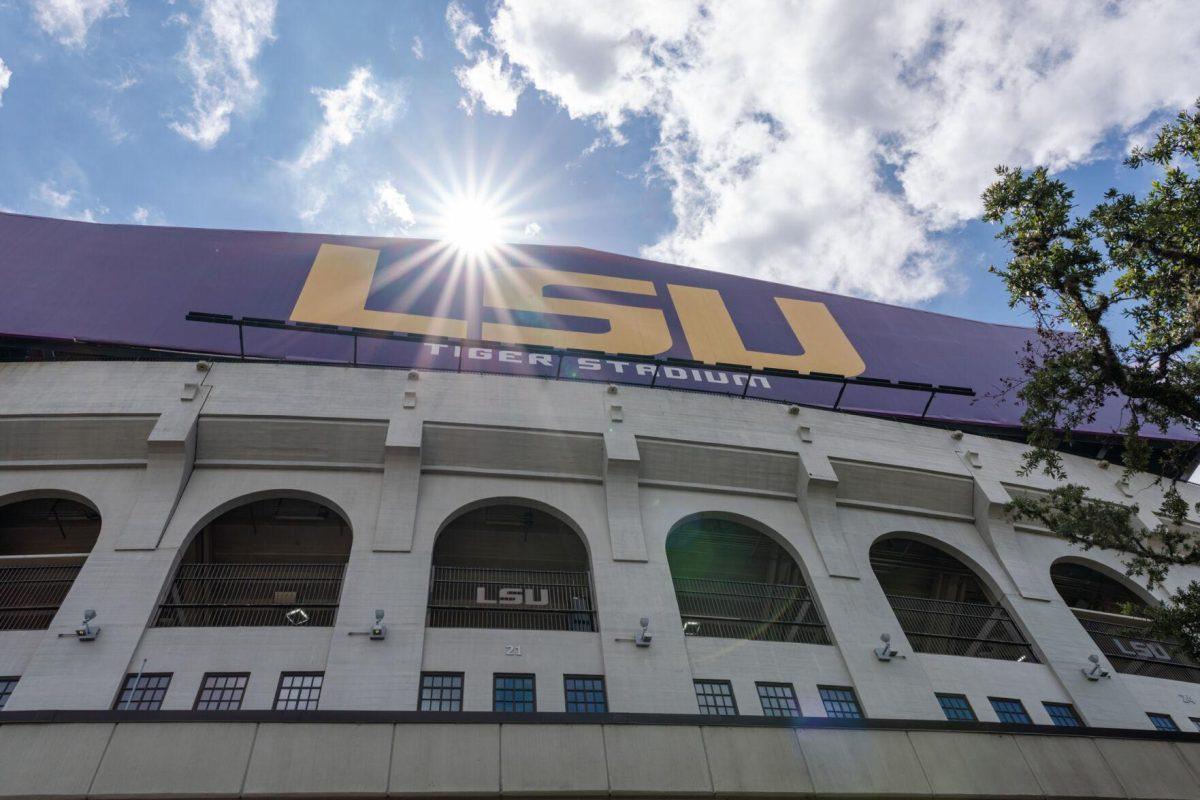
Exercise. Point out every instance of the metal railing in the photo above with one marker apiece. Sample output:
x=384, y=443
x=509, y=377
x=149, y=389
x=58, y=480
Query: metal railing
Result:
x=30, y=596
x=945, y=627
x=237, y=595
x=511, y=599
x=772, y=612
x=1131, y=650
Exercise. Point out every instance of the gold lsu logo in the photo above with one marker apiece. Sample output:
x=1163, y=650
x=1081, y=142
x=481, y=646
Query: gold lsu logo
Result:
x=336, y=290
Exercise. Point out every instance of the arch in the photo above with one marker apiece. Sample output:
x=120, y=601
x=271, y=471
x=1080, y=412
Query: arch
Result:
x=1113, y=610
x=45, y=538
x=264, y=559
x=944, y=605
x=734, y=579
x=511, y=563
x=1088, y=585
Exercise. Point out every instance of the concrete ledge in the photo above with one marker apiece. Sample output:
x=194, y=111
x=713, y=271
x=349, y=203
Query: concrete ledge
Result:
x=50, y=760
x=656, y=760
x=1069, y=767
x=445, y=760
x=984, y=765
x=320, y=759
x=1146, y=771
x=863, y=764
x=175, y=760
x=553, y=759
x=758, y=761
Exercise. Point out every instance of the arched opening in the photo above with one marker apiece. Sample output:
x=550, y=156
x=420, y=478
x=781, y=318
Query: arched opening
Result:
x=43, y=544
x=1116, y=618
x=735, y=582
x=274, y=562
x=942, y=605
x=511, y=566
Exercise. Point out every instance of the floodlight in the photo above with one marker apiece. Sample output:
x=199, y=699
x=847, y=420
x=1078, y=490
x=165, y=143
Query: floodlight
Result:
x=691, y=628
x=378, y=630
x=642, y=638
x=1095, y=672
x=85, y=632
x=885, y=652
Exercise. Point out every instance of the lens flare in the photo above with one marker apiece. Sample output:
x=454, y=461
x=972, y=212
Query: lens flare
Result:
x=472, y=225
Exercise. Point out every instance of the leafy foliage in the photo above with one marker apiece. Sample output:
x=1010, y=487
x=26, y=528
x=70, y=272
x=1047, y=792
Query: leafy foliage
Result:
x=1115, y=294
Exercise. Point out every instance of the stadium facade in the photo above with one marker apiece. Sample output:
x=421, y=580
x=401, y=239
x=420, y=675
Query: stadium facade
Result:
x=291, y=515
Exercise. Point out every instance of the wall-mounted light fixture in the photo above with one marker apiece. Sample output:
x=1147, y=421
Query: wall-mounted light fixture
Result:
x=1095, y=672
x=297, y=616
x=85, y=632
x=378, y=631
x=885, y=652
x=691, y=627
x=642, y=638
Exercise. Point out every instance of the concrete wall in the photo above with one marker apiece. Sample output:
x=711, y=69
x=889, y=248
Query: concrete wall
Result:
x=399, y=456
x=374, y=759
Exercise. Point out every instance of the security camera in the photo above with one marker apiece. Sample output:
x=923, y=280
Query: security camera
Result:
x=297, y=616
x=1095, y=672
x=85, y=632
x=378, y=630
x=885, y=652
x=643, y=637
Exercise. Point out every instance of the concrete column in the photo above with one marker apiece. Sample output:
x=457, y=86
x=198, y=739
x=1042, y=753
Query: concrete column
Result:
x=621, y=465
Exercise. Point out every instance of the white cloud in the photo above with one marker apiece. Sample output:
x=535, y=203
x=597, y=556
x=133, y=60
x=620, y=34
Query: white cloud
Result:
x=5, y=77
x=61, y=201
x=70, y=20
x=418, y=48
x=828, y=144
x=533, y=230
x=349, y=111
x=219, y=53
x=487, y=79
x=55, y=198
x=141, y=215
x=390, y=212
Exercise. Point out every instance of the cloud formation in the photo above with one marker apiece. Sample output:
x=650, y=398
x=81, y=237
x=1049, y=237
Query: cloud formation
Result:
x=487, y=79
x=828, y=144
x=69, y=21
x=5, y=77
x=389, y=214
x=348, y=111
x=222, y=44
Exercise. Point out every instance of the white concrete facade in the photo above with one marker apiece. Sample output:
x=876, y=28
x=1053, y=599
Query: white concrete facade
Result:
x=160, y=449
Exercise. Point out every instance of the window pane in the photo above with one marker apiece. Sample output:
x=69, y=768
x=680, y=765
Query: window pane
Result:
x=585, y=694
x=144, y=693
x=840, y=702
x=1163, y=722
x=222, y=692
x=299, y=691
x=778, y=700
x=715, y=697
x=1010, y=711
x=956, y=706
x=6, y=689
x=441, y=691
x=1063, y=714
x=513, y=693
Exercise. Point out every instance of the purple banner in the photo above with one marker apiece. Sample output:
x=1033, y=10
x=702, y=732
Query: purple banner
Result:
x=619, y=319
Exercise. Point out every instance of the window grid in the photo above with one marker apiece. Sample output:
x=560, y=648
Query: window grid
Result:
x=585, y=694
x=778, y=699
x=957, y=707
x=840, y=702
x=299, y=691
x=1163, y=722
x=441, y=691
x=222, y=691
x=7, y=685
x=144, y=692
x=1063, y=715
x=1011, y=711
x=716, y=697
x=515, y=693
x=1195, y=720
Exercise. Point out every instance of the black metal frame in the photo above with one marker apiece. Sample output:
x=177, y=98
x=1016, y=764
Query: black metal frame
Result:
x=697, y=683
x=849, y=690
x=567, y=692
x=301, y=674
x=236, y=595
x=791, y=695
x=121, y=703
x=964, y=707
x=1001, y=712
x=1067, y=713
x=1180, y=668
x=30, y=596
x=462, y=692
x=204, y=687
x=569, y=595
x=749, y=610
x=946, y=627
x=532, y=689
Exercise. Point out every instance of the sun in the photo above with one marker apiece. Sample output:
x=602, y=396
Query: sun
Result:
x=472, y=224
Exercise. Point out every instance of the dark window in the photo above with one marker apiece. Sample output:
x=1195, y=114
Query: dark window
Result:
x=778, y=700
x=222, y=691
x=715, y=697
x=585, y=694
x=956, y=706
x=143, y=692
x=6, y=689
x=1063, y=715
x=441, y=691
x=299, y=691
x=513, y=693
x=1163, y=722
x=840, y=702
x=1011, y=711
x=1195, y=720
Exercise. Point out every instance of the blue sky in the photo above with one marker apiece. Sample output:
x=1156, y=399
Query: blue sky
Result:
x=835, y=147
